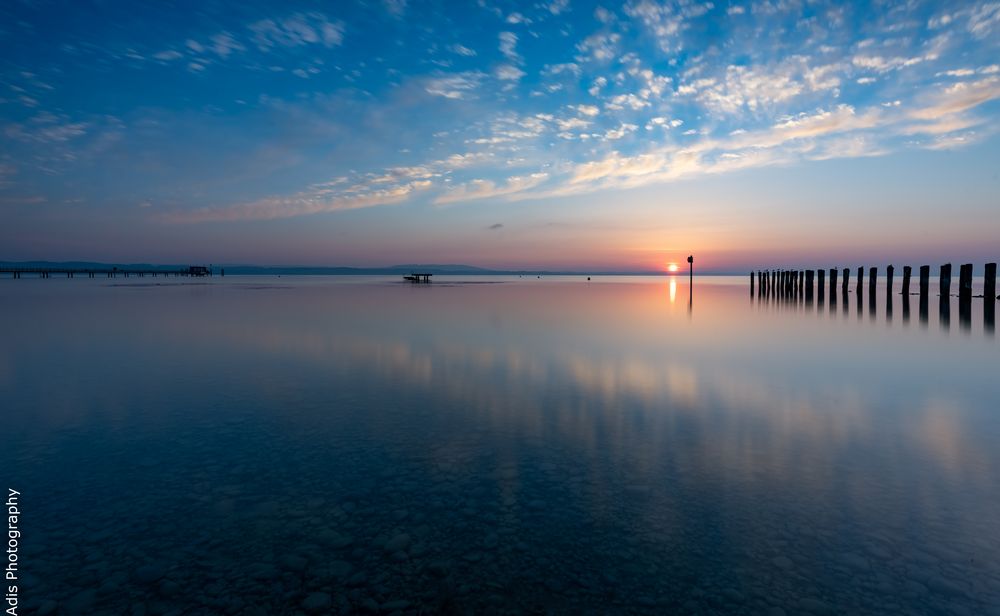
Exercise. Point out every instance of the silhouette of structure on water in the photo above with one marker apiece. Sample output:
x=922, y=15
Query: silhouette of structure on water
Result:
x=197, y=271
x=796, y=287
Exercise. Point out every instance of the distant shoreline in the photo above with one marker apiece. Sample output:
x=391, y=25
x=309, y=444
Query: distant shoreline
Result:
x=436, y=269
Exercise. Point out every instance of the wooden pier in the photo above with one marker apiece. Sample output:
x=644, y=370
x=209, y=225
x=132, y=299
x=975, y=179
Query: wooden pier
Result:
x=197, y=271
x=794, y=286
x=418, y=278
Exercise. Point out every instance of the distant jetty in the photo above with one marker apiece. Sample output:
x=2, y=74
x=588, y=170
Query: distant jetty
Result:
x=197, y=271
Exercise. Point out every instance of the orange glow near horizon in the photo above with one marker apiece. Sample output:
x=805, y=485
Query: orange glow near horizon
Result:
x=672, y=268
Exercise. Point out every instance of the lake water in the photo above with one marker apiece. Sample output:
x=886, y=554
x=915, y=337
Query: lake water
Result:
x=477, y=445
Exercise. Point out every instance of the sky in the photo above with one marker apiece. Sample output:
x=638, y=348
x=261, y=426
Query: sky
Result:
x=548, y=134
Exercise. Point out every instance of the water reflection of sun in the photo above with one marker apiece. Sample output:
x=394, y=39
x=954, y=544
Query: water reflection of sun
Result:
x=672, y=268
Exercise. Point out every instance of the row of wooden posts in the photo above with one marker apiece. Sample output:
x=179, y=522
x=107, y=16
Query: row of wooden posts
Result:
x=791, y=282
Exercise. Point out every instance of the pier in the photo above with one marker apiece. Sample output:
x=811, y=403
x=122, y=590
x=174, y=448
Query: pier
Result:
x=418, y=278
x=766, y=289
x=197, y=271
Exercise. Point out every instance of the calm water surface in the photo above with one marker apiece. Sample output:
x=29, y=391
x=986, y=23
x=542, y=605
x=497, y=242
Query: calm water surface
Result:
x=497, y=445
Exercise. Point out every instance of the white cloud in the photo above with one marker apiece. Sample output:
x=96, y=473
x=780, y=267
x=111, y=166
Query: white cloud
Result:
x=595, y=88
x=517, y=18
x=168, y=55
x=462, y=50
x=509, y=72
x=455, y=86
x=297, y=30
x=224, y=44
x=558, y=69
x=626, y=100
x=486, y=189
x=984, y=18
x=587, y=110
x=621, y=131
x=881, y=64
x=599, y=47
x=508, y=46
x=557, y=6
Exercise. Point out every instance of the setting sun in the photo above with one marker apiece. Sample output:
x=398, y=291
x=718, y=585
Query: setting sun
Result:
x=672, y=267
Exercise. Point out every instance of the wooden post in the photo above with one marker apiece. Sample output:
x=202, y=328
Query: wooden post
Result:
x=888, y=281
x=872, y=280
x=907, y=270
x=751, y=284
x=809, y=284
x=861, y=279
x=965, y=282
x=820, y=284
x=989, y=299
x=847, y=279
x=945, y=283
x=833, y=282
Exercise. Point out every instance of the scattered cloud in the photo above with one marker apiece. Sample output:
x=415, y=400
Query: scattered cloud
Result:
x=487, y=189
x=455, y=86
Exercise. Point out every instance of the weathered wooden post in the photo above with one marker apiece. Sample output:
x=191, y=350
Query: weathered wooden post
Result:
x=802, y=279
x=809, y=287
x=945, y=284
x=751, y=284
x=833, y=282
x=944, y=296
x=888, y=281
x=820, y=285
x=989, y=299
x=847, y=280
x=965, y=297
x=965, y=282
x=872, y=280
x=907, y=270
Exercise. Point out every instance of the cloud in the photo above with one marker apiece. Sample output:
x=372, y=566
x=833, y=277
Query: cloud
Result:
x=224, y=44
x=168, y=55
x=509, y=72
x=297, y=30
x=558, y=6
x=626, y=100
x=47, y=127
x=486, y=189
x=587, y=110
x=984, y=19
x=960, y=97
x=508, y=46
x=621, y=131
x=666, y=21
x=462, y=50
x=299, y=205
x=455, y=86
x=599, y=47
x=495, y=226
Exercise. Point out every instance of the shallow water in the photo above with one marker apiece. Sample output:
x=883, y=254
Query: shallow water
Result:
x=477, y=445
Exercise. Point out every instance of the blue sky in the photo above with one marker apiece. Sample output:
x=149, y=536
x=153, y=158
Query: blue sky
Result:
x=557, y=133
